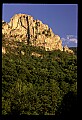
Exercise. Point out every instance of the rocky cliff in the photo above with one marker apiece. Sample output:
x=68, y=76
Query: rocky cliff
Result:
x=23, y=27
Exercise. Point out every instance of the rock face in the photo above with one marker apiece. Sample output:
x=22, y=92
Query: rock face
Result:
x=66, y=49
x=3, y=50
x=23, y=27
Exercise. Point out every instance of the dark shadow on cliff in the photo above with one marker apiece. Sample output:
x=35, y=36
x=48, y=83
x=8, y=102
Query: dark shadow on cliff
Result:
x=68, y=108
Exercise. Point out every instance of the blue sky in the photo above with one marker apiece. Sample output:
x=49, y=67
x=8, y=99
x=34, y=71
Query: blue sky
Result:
x=62, y=18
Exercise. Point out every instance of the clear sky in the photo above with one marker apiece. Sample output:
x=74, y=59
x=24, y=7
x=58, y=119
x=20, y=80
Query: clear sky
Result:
x=62, y=18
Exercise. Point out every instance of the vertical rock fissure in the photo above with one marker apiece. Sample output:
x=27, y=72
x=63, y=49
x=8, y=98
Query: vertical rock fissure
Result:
x=28, y=31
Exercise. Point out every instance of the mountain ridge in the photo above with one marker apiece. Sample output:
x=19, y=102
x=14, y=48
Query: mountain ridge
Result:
x=23, y=27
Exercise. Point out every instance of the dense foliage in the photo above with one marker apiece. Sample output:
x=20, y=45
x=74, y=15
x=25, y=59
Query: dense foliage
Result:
x=36, y=85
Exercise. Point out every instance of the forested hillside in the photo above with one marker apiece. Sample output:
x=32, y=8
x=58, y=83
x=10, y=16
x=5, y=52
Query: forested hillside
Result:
x=37, y=85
